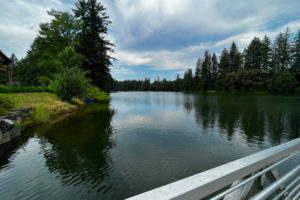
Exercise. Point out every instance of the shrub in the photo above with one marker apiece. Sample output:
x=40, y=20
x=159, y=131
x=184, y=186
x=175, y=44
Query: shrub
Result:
x=282, y=83
x=18, y=89
x=221, y=84
x=245, y=80
x=95, y=93
x=43, y=80
x=69, y=83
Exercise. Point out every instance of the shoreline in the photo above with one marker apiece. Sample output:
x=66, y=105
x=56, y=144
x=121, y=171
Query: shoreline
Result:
x=26, y=110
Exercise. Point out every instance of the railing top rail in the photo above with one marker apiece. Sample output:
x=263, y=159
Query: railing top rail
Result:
x=200, y=185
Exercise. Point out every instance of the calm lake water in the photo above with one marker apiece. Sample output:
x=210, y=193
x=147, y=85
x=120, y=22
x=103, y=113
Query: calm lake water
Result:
x=140, y=141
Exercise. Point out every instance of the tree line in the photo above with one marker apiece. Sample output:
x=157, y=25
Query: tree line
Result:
x=263, y=65
x=70, y=48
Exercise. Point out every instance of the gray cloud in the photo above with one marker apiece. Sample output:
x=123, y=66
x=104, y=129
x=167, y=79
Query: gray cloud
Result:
x=141, y=28
x=20, y=20
x=164, y=35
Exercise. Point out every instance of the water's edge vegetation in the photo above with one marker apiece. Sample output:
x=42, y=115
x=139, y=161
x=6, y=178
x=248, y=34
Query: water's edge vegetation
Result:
x=46, y=105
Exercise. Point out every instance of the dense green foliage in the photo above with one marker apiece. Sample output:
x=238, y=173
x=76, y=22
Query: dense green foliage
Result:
x=283, y=83
x=70, y=49
x=41, y=59
x=96, y=94
x=69, y=83
x=43, y=80
x=22, y=89
x=261, y=66
x=245, y=80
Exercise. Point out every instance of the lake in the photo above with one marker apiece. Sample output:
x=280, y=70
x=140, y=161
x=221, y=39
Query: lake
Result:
x=140, y=141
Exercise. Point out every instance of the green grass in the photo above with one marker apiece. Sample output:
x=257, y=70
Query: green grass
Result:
x=5, y=105
x=45, y=105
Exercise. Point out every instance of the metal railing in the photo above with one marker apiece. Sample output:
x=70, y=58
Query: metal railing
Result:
x=245, y=178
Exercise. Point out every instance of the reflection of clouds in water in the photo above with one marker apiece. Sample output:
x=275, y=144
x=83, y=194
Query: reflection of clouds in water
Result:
x=149, y=98
x=258, y=118
x=152, y=139
x=170, y=119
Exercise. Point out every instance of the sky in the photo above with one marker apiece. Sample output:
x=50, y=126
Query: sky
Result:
x=158, y=37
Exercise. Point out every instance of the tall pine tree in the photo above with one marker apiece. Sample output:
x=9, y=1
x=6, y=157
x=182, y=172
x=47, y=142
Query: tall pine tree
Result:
x=197, y=74
x=281, y=52
x=224, y=66
x=93, y=44
x=296, y=57
x=205, y=72
x=214, y=68
x=253, y=57
x=266, y=53
x=235, y=58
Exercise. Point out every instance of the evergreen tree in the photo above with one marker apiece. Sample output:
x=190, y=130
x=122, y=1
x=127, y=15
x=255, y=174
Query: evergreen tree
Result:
x=266, y=53
x=197, y=74
x=224, y=66
x=178, y=83
x=93, y=44
x=188, y=80
x=281, y=52
x=14, y=62
x=205, y=72
x=214, y=68
x=235, y=58
x=253, y=56
x=296, y=57
x=27, y=71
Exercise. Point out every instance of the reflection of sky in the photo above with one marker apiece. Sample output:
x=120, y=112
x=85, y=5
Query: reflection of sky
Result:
x=151, y=140
x=155, y=131
x=174, y=135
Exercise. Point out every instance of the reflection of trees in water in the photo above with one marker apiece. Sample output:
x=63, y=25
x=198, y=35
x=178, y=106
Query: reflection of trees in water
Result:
x=78, y=147
x=255, y=116
x=9, y=149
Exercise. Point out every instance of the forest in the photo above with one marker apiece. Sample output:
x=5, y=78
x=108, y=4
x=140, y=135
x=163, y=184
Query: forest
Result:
x=263, y=65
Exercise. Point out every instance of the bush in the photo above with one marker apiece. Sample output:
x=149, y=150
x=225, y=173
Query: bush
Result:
x=283, y=83
x=221, y=84
x=95, y=93
x=69, y=83
x=43, y=80
x=18, y=89
x=245, y=80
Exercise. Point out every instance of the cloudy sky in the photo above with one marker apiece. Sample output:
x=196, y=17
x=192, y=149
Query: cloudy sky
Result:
x=158, y=37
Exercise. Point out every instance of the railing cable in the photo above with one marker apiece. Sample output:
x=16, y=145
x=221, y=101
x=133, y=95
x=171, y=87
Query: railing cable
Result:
x=233, y=188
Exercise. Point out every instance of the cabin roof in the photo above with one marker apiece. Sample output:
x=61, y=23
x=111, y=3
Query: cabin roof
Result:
x=4, y=59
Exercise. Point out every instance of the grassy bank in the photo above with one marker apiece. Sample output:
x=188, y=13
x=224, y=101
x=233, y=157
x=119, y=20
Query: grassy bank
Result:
x=46, y=105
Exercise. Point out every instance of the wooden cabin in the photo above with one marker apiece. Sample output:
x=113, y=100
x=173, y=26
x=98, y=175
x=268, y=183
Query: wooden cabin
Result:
x=4, y=66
